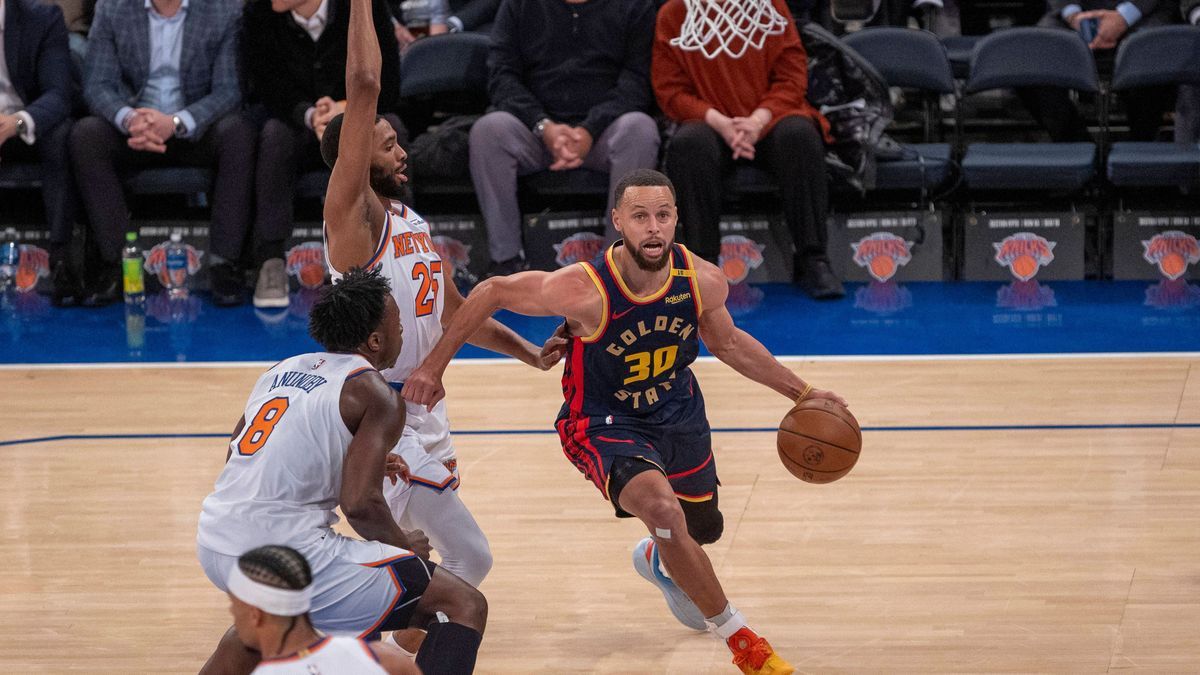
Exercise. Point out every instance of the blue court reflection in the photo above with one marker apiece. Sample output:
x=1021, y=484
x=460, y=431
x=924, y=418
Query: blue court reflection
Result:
x=875, y=318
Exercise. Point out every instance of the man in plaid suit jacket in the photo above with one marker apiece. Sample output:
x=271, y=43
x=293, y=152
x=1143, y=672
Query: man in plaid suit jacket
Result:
x=161, y=82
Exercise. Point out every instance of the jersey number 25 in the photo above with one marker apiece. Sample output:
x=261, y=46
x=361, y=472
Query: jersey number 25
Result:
x=427, y=293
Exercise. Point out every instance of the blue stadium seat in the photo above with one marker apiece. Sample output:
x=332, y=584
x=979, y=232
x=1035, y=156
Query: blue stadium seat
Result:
x=20, y=176
x=1168, y=55
x=312, y=185
x=440, y=64
x=912, y=59
x=1031, y=57
x=958, y=52
x=566, y=183
x=169, y=181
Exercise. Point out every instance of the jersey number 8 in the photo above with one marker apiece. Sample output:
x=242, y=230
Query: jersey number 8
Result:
x=255, y=436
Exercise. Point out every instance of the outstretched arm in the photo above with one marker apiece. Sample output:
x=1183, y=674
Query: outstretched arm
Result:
x=352, y=213
x=499, y=338
x=567, y=292
x=738, y=349
x=375, y=415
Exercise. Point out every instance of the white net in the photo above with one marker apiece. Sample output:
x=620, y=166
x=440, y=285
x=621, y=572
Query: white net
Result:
x=730, y=26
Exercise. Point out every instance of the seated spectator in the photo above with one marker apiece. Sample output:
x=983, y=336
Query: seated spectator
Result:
x=164, y=96
x=294, y=53
x=414, y=19
x=1187, y=107
x=569, y=82
x=740, y=96
x=36, y=92
x=1053, y=108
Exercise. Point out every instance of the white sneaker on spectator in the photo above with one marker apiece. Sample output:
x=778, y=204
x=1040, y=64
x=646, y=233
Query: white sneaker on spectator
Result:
x=272, y=287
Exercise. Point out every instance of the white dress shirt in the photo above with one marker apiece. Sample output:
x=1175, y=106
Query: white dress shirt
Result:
x=315, y=24
x=164, y=89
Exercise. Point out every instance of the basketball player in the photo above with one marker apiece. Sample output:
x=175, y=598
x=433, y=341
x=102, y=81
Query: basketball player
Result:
x=634, y=421
x=270, y=593
x=366, y=227
x=315, y=434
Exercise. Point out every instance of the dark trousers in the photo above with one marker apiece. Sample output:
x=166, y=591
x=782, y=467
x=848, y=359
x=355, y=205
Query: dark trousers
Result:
x=50, y=151
x=1058, y=115
x=698, y=158
x=99, y=154
x=285, y=152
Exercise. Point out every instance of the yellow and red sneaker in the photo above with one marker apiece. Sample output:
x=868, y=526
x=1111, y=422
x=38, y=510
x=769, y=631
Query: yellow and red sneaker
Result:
x=753, y=655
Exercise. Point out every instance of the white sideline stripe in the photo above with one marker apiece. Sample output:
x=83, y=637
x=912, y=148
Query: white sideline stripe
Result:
x=871, y=358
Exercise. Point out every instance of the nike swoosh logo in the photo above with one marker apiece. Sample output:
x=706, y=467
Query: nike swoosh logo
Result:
x=616, y=316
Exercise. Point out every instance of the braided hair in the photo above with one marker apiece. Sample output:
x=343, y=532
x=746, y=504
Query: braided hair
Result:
x=279, y=567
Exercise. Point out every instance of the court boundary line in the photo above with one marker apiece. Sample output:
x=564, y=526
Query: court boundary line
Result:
x=793, y=358
x=719, y=430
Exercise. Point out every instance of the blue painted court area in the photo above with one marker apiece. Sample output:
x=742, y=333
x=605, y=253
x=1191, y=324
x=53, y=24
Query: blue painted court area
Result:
x=873, y=319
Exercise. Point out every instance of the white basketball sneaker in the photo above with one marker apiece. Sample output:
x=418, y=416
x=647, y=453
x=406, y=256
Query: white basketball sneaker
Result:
x=645, y=561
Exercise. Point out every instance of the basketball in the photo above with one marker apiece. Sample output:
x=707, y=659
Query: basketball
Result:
x=819, y=441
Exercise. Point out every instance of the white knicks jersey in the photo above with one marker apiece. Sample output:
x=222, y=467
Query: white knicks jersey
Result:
x=406, y=257
x=329, y=656
x=284, y=474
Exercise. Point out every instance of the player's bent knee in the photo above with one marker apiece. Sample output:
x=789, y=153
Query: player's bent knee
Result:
x=665, y=520
x=705, y=526
x=475, y=563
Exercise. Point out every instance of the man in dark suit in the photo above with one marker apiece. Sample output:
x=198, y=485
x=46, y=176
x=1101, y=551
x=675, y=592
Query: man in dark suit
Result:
x=1115, y=19
x=294, y=53
x=161, y=81
x=37, y=87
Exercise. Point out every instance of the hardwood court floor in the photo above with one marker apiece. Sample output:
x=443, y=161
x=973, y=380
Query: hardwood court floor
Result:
x=946, y=550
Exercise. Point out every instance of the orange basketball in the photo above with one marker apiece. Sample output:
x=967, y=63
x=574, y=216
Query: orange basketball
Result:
x=1172, y=265
x=883, y=267
x=312, y=276
x=819, y=441
x=733, y=268
x=1024, y=266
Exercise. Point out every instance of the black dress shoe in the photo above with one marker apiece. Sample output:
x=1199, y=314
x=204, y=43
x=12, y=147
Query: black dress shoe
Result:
x=228, y=285
x=68, y=291
x=819, y=281
x=105, y=287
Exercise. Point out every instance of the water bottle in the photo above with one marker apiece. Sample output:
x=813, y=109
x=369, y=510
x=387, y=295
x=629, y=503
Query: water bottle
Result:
x=131, y=268
x=10, y=257
x=135, y=327
x=177, y=267
x=416, y=14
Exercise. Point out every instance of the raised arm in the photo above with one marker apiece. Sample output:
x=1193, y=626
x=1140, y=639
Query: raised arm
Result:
x=353, y=216
x=567, y=292
x=738, y=349
x=497, y=337
x=375, y=415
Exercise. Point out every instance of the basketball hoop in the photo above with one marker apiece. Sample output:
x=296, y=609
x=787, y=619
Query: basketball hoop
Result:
x=730, y=26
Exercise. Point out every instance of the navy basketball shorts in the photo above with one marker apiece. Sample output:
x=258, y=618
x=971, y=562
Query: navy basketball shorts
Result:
x=681, y=452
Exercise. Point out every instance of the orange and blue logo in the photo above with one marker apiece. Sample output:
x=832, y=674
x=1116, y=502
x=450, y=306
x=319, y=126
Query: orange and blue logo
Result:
x=739, y=256
x=306, y=262
x=579, y=247
x=1172, y=251
x=883, y=254
x=883, y=297
x=1024, y=253
x=156, y=262
x=1026, y=295
x=1172, y=294
x=33, y=264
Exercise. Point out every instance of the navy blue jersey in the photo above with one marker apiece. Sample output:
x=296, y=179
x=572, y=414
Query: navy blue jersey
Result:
x=634, y=368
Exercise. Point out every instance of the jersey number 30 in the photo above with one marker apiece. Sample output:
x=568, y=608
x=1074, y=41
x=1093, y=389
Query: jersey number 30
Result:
x=427, y=294
x=259, y=429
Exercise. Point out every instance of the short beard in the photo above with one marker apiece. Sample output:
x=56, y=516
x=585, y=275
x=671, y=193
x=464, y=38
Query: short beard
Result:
x=385, y=184
x=647, y=265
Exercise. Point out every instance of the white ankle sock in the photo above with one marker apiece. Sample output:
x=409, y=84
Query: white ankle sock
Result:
x=728, y=622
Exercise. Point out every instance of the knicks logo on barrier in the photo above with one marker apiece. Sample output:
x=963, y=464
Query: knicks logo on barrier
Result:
x=739, y=256
x=882, y=253
x=34, y=263
x=1172, y=294
x=156, y=261
x=1024, y=253
x=882, y=297
x=579, y=247
x=306, y=262
x=452, y=251
x=1172, y=251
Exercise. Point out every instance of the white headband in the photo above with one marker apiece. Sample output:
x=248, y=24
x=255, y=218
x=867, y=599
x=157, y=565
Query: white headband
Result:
x=277, y=601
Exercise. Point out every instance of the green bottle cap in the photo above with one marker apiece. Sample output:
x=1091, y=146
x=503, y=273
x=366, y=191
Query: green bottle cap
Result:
x=131, y=236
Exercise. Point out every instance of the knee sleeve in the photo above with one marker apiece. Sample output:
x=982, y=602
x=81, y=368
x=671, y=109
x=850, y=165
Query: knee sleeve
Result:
x=704, y=520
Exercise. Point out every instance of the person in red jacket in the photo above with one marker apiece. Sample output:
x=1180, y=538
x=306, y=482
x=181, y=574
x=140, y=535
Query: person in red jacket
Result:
x=734, y=74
